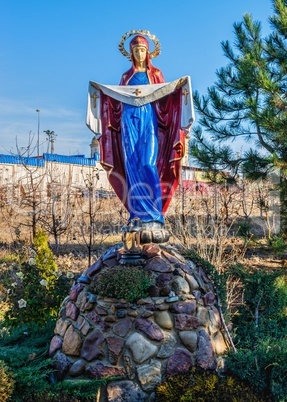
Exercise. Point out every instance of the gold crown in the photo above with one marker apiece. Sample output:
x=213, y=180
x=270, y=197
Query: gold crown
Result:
x=142, y=32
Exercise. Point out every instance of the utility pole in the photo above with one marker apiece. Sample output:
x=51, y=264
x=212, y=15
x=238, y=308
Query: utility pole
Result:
x=38, y=140
x=51, y=138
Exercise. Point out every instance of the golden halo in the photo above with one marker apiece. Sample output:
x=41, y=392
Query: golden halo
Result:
x=143, y=32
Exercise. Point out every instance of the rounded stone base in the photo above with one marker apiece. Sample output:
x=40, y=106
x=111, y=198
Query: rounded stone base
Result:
x=175, y=327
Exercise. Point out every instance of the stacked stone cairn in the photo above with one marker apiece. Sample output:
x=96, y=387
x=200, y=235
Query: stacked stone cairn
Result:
x=142, y=343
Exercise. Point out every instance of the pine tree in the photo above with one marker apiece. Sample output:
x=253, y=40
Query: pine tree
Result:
x=248, y=101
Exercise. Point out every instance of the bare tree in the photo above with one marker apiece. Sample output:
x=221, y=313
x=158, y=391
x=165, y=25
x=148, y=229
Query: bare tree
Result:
x=59, y=203
x=88, y=209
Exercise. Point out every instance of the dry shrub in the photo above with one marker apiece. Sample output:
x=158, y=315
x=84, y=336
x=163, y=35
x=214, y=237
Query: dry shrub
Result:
x=6, y=382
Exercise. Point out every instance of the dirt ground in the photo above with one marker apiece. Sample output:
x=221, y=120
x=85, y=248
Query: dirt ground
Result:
x=74, y=253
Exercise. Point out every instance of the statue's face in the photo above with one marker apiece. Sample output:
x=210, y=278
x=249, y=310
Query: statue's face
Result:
x=139, y=53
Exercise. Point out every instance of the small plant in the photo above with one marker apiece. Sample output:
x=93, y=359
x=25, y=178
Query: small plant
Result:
x=244, y=228
x=44, y=258
x=203, y=386
x=36, y=288
x=260, y=332
x=264, y=310
x=24, y=352
x=6, y=382
x=264, y=367
x=130, y=283
x=277, y=244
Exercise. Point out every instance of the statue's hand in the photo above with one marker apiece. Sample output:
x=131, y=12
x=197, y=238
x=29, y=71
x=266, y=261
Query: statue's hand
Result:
x=95, y=85
x=181, y=82
x=179, y=150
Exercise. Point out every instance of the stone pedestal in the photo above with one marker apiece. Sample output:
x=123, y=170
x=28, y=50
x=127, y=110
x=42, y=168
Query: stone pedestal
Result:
x=176, y=327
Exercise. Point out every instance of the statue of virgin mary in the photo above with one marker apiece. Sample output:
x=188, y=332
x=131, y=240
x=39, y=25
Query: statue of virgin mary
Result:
x=141, y=125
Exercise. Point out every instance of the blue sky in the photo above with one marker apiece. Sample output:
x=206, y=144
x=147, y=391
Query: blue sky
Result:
x=50, y=49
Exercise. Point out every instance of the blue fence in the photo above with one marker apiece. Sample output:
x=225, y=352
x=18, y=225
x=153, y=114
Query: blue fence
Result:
x=72, y=159
x=40, y=161
x=21, y=160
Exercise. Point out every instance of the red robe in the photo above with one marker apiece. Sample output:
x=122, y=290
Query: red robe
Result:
x=170, y=138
